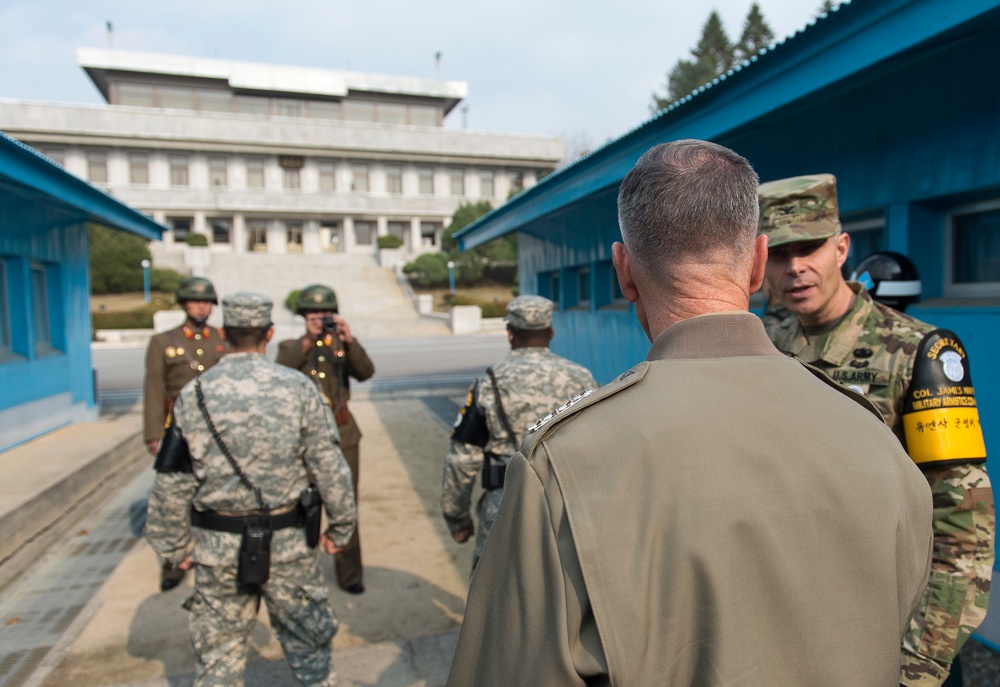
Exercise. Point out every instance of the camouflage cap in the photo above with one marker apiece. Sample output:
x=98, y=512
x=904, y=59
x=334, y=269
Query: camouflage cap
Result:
x=799, y=209
x=530, y=313
x=246, y=310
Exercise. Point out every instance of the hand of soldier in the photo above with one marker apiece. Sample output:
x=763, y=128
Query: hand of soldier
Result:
x=343, y=331
x=153, y=446
x=186, y=564
x=462, y=535
x=329, y=546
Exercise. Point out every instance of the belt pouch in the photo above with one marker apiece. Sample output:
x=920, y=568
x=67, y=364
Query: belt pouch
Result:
x=255, y=553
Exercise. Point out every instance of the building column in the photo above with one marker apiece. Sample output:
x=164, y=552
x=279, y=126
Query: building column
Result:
x=349, y=241
x=416, y=244
x=312, y=242
x=277, y=238
x=199, y=224
x=239, y=237
x=381, y=228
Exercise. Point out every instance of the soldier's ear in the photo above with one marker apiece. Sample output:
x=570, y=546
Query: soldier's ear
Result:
x=843, y=247
x=270, y=333
x=623, y=267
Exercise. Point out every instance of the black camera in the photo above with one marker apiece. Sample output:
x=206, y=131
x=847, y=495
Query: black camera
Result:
x=330, y=325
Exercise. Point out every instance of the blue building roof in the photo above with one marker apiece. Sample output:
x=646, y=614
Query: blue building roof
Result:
x=58, y=198
x=862, y=40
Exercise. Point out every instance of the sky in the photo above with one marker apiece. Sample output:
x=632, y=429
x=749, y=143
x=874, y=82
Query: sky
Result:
x=582, y=69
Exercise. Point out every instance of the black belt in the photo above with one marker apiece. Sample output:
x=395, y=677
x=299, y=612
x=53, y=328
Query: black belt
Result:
x=210, y=520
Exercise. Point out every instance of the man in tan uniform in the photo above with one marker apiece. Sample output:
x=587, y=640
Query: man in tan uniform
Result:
x=703, y=519
x=173, y=359
x=330, y=355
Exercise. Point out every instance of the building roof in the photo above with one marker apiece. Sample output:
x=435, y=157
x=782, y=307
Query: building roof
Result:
x=99, y=63
x=858, y=40
x=32, y=184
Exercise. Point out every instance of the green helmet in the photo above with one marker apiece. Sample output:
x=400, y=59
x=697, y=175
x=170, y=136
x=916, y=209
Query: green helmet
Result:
x=316, y=297
x=196, y=289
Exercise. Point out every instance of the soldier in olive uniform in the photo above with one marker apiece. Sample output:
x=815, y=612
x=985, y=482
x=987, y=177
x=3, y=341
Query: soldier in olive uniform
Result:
x=330, y=355
x=918, y=377
x=173, y=359
x=498, y=410
x=247, y=439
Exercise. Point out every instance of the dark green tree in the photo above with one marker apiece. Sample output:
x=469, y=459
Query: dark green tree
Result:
x=826, y=7
x=115, y=260
x=756, y=34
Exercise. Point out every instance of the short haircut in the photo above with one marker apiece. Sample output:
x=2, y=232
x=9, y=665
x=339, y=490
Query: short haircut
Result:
x=245, y=337
x=687, y=199
x=530, y=335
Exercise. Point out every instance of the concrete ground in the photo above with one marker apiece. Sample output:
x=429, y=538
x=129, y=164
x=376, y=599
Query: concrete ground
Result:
x=401, y=632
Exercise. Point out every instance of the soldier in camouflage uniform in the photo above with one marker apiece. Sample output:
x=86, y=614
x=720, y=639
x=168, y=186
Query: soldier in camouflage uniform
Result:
x=173, y=359
x=331, y=356
x=918, y=377
x=498, y=410
x=279, y=431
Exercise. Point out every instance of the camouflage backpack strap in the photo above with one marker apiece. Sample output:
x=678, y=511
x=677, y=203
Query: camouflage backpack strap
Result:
x=553, y=420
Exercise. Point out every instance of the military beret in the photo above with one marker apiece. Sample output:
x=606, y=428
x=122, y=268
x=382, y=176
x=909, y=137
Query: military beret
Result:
x=799, y=209
x=246, y=310
x=530, y=312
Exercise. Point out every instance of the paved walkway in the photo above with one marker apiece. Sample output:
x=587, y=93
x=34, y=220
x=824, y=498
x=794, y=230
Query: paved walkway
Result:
x=90, y=613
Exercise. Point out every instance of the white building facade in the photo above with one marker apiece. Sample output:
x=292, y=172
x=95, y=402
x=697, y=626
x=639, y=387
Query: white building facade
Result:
x=273, y=159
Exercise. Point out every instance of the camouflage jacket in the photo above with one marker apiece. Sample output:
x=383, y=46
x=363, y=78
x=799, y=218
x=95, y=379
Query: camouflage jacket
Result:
x=331, y=364
x=282, y=434
x=873, y=351
x=531, y=382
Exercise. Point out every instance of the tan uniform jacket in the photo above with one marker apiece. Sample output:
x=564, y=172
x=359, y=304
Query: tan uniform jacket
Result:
x=321, y=363
x=173, y=359
x=719, y=515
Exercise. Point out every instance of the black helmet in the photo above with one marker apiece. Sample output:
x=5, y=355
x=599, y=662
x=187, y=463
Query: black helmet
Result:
x=196, y=289
x=316, y=297
x=891, y=278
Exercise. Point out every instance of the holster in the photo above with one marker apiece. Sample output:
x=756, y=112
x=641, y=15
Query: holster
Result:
x=494, y=471
x=311, y=508
x=255, y=553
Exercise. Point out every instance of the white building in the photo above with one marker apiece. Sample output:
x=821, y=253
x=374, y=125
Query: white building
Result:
x=275, y=159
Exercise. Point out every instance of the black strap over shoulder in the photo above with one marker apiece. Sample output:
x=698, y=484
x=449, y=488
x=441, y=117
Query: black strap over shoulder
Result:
x=173, y=454
x=470, y=427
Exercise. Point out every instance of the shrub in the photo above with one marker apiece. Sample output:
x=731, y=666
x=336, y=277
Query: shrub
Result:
x=389, y=241
x=291, y=298
x=115, y=260
x=429, y=269
x=165, y=280
x=140, y=318
x=193, y=238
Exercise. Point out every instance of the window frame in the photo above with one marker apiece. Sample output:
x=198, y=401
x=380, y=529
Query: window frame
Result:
x=966, y=290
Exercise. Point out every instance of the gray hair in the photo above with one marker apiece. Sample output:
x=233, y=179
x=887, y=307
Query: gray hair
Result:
x=687, y=199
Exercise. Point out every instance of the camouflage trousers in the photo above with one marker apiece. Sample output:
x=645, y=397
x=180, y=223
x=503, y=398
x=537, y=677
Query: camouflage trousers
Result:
x=489, y=504
x=222, y=614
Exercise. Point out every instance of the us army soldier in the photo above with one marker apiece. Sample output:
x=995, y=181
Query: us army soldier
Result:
x=499, y=408
x=173, y=359
x=918, y=377
x=247, y=439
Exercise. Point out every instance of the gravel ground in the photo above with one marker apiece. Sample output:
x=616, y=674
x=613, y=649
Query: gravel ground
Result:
x=980, y=665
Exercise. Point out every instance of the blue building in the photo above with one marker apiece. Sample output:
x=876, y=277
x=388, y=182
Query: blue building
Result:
x=46, y=378
x=900, y=99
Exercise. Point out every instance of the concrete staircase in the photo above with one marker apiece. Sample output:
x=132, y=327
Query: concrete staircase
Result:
x=370, y=298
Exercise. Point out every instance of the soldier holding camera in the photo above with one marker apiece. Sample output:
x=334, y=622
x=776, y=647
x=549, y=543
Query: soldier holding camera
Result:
x=330, y=355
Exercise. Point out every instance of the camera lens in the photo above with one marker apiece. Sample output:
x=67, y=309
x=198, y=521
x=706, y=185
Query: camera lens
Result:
x=329, y=325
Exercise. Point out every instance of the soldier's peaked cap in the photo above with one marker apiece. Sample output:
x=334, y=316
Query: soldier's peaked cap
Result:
x=799, y=209
x=530, y=313
x=246, y=310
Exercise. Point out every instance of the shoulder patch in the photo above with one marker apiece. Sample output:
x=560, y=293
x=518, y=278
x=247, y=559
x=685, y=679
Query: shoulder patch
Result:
x=578, y=403
x=850, y=393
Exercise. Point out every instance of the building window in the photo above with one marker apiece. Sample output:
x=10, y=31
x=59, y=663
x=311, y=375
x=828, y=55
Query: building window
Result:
x=138, y=168
x=251, y=105
x=135, y=94
x=214, y=100
x=222, y=229
x=57, y=155
x=516, y=182
x=327, y=177
x=400, y=230
x=866, y=238
x=486, y=184
x=394, y=179
x=426, y=178
x=97, y=166
x=217, y=172
x=430, y=232
x=359, y=176
x=285, y=107
x=257, y=236
x=424, y=115
x=255, y=173
x=322, y=109
x=607, y=291
x=973, y=251
x=176, y=97
x=293, y=234
x=391, y=113
x=359, y=110
x=5, y=349
x=41, y=309
x=548, y=286
x=293, y=180
x=363, y=232
x=456, y=181
x=583, y=288
x=178, y=170
x=181, y=227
